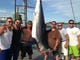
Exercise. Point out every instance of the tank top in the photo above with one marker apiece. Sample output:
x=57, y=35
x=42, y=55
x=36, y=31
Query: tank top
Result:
x=5, y=40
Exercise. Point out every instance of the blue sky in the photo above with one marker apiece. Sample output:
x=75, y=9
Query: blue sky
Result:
x=7, y=7
x=58, y=10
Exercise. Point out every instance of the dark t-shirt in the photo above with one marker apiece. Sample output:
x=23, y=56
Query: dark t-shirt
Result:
x=16, y=36
x=52, y=36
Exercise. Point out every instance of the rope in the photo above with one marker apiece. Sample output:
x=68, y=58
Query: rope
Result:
x=72, y=10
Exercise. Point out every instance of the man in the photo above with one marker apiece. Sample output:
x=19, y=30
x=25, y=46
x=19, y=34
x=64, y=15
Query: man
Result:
x=5, y=39
x=16, y=39
x=26, y=43
x=74, y=40
x=64, y=41
x=54, y=39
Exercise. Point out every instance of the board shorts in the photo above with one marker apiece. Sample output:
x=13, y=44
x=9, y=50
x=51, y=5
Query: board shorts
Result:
x=74, y=50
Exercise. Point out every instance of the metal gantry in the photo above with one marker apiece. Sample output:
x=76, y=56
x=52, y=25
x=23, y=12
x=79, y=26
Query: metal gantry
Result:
x=25, y=6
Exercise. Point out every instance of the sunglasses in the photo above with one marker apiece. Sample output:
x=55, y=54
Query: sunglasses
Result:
x=18, y=22
x=59, y=25
x=10, y=21
x=71, y=23
x=53, y=24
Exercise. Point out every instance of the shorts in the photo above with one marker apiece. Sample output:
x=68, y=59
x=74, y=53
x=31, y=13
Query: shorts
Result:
x=64, y=50
x=26, y=49
x=74, y=50
x=57, y=52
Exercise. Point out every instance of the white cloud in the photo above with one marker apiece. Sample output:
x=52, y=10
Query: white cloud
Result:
x=6, y=13
x=46, y=0
x=64, y=7
x=3, y=11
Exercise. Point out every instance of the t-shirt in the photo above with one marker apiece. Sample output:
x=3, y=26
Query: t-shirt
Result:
x=16, y=36
x=52, y=36
x=73, y=33
x=63, y=32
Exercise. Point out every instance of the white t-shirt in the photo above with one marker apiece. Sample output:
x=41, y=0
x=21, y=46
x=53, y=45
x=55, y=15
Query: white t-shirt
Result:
x=5, y=40
x=63, y=32
x=73, y=33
